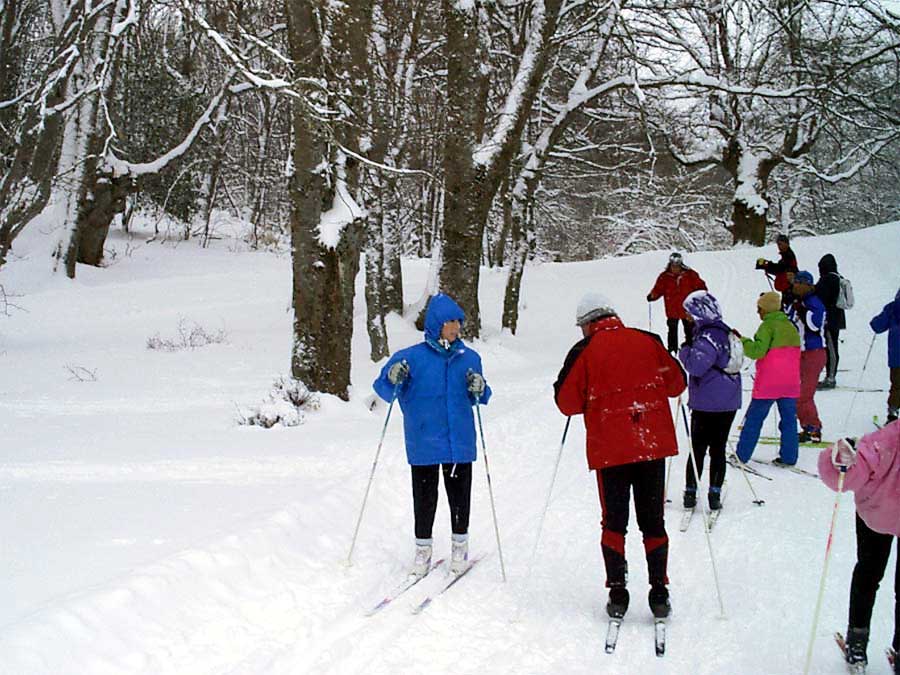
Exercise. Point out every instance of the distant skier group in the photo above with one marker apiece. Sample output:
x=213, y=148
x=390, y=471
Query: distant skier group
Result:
x=621, y=378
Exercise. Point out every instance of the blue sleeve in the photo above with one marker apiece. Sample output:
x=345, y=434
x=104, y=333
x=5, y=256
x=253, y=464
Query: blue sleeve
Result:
x=382, y=385
x=883, y=321
x=699, y=357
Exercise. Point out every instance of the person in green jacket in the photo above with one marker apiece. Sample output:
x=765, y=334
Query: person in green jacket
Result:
x=776, y=350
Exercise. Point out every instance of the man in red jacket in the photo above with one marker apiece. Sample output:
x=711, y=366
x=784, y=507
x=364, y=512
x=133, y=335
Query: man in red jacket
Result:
x=620, y=379
x=675, y=283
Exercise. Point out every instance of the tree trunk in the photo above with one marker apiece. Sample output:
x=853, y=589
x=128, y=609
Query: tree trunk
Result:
x=107, y=198
x=324, y=272
x=463, y=226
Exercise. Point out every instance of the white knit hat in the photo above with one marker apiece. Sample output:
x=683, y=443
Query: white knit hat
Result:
x=593, y=306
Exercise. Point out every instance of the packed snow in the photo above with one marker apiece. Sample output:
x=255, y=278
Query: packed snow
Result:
x=145, y=531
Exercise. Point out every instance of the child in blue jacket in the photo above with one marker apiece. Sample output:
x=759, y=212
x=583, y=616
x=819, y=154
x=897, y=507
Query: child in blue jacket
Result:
x=437, y=382
x=889, y=320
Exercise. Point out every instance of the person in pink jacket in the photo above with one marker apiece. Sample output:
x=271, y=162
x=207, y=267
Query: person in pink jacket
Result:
x=872, y=467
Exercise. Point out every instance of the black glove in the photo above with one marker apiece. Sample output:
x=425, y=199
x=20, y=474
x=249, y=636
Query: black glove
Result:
x=650, y=297
x=761, y=263
x=398, y=372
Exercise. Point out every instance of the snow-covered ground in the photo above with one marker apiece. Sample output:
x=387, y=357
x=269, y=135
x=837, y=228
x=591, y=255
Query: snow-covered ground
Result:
x=144, y=531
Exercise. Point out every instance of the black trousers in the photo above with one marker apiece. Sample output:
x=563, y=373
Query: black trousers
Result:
x=615, y=485
x=832, y=336
x=458, y=485
x=872, y=552
x=673, y=333
x=709, y=431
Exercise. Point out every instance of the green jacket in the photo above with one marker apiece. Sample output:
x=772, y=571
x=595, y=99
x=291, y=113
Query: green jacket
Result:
x=776, y=330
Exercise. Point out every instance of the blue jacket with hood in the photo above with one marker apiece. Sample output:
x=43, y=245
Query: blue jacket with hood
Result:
x=889, y=320
x=438, y=422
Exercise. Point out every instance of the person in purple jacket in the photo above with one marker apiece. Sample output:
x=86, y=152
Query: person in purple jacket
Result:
x=714, y=396
x=871, y=468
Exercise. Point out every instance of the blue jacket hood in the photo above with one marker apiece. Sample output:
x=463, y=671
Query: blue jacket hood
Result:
x=441, y=309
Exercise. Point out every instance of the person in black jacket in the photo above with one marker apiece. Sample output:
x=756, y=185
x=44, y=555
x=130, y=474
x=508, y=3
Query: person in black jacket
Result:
x=827, y=288
x=783, y=270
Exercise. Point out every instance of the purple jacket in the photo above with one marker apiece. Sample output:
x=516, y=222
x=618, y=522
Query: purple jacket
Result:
x=710, y=389
x=874, y=478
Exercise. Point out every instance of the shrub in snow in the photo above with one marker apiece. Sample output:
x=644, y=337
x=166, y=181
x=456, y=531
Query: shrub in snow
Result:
x=189, y=337
x=287, y=405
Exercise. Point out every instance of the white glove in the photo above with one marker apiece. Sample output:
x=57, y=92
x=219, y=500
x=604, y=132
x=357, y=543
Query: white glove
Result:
x=476, y=383
x=398, y=372
x=843, y=454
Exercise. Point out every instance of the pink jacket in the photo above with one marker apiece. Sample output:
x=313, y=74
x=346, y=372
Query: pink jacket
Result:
x=778, y=374
x=875, y=478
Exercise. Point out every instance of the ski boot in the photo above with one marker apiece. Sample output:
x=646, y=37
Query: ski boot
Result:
x=857, y=640
x=422, y=562
x=690, y=498
x=459, y=553
x=810, y=435
x=659, y=601
x=617, y=604
x=827, y=383
x=715, y=498
x=892, y=414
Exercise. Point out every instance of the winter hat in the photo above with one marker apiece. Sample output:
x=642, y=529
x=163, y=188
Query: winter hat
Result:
x=676, y=259
x=593, y=306
x=803, y=277
x=783, y=237
x=769, y=302
x=701, y=305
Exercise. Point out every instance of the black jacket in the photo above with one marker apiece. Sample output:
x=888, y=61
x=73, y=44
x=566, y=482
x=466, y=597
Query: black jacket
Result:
x=827, y=288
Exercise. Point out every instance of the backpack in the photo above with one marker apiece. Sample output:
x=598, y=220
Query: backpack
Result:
x=845, y=293
x=735, y=355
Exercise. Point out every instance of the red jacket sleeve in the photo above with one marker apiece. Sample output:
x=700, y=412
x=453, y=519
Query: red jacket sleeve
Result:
x=571, y=385
x=672, y=372
x=659, y=288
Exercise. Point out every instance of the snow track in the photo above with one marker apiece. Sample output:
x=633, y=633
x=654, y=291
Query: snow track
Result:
x=145, y=533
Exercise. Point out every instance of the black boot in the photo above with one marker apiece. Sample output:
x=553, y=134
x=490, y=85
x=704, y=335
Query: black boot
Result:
x=715, y=499
x=857, y=641
x=659, y=601
x=617, y=604
x=690, y=498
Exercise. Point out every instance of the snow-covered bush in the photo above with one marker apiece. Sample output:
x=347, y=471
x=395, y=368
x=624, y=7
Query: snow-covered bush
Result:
x=287, y=405
x=189, y=337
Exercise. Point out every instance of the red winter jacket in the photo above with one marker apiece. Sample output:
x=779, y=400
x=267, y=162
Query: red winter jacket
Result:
x=675, y=288
x=620, y=379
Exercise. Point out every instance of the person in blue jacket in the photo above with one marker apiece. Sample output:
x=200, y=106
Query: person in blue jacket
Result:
x=437, y=382
x=889, y=320
x=808, y=315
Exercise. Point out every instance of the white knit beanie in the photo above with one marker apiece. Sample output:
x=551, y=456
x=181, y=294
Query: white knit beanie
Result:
x=593, y=306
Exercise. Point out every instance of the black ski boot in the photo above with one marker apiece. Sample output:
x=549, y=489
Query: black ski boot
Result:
x=617, y=604
x=690, y=498
x=715, y=499
x=659, y=601
x=857, y=640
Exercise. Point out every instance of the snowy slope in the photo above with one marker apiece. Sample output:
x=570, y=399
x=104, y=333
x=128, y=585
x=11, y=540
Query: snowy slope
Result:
x=145, y=532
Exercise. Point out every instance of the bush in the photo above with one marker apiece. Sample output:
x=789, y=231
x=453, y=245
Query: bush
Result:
x=189, y=337
x=287, y=405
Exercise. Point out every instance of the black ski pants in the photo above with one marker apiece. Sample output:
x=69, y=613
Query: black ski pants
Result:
x=709, y=431
x=458, y=485
x=832, y=350
x=615, y=485
x=872, y=552
x=673, y=333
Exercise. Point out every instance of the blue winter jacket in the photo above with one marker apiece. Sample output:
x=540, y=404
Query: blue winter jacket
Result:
x=889, y=320
x=438, y=423
x=809, y=318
